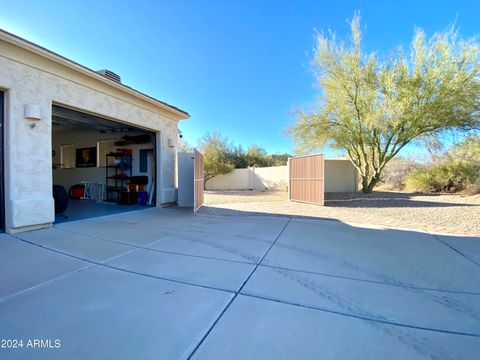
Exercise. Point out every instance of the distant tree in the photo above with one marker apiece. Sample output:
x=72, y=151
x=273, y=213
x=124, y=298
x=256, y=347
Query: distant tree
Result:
x=280, y=159
x=216, y=151
x=372, y=108
x=184, y=146
x=256, y=151
x=466, y=150
x=238, y=157
x=257, y=156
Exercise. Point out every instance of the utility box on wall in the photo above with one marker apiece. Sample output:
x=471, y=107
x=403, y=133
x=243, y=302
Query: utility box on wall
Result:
x=185, y=179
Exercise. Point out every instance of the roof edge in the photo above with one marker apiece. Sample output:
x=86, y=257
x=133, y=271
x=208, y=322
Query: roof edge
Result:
x=53, y=56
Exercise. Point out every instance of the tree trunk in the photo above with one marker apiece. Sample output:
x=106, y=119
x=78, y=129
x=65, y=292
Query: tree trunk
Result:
x=367, y=186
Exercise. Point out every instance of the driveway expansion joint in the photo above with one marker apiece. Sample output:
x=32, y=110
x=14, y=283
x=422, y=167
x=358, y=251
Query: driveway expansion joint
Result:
x=318, y=308
x=148, y=247
x=103, y=264
x=455, y=250
x=197, y=344
x=371, y=281
x=238, y=291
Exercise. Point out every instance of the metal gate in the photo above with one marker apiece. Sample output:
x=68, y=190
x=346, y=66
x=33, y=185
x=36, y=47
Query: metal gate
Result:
x=197, y=180
x=306, y=179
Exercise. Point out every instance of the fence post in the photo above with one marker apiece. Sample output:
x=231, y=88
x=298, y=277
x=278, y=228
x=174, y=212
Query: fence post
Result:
x=288, y=178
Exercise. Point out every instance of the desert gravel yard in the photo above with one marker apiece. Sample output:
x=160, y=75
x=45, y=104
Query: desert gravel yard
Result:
x=441, y=213
x=167, y=284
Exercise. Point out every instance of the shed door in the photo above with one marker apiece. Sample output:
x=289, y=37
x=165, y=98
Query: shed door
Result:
x=306, y=179
x=197, y=180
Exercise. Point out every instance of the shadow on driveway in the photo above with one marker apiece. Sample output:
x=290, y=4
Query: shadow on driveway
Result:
x=168, y=284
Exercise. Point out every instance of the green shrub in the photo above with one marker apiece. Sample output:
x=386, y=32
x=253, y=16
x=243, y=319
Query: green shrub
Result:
x=451, y=176
x=420, y=181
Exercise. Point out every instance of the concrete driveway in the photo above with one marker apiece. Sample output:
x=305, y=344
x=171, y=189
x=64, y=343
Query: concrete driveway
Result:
x=166, y=284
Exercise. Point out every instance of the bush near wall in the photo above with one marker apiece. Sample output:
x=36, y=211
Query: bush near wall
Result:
x=451, y=176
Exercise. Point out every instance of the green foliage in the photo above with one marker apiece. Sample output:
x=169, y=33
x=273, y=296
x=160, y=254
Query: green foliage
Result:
x=450, y=176
x=254, y=156
x=373, y=108
x=257, y=156
x=221, y=156
x=216, y=155
x=280, y=159
x=420, y=181
x=468, y=150
x=238, y=158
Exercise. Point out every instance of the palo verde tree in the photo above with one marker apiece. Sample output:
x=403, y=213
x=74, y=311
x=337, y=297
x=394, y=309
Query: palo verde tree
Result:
x=372, y=108
x=216, y=151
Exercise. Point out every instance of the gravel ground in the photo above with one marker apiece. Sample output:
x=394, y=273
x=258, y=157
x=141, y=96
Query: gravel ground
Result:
x=442, y=213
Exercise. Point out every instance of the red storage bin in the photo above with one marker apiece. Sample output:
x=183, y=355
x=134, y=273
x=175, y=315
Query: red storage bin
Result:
x=77, y=191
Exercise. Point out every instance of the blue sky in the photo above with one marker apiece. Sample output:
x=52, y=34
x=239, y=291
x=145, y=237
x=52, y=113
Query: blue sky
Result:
x=238, y=67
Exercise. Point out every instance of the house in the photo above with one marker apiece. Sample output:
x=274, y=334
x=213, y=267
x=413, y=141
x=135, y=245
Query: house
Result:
x=65, y=125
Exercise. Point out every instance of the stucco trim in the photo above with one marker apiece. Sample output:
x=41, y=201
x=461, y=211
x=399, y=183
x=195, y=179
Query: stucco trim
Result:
x=32, y=212
x=50, y=55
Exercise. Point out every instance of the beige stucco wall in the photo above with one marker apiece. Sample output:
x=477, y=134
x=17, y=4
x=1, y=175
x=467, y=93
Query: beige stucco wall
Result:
x=238, y=179
x=271, y=178
x=340, y=176
x=268, y=178
x=29, y=78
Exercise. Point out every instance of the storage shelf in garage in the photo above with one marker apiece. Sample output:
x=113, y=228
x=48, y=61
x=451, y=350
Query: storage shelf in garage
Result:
x=113, y=191
x=115, y=188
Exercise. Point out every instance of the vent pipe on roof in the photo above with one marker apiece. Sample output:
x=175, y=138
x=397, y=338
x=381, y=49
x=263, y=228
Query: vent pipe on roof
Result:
x=110, y=75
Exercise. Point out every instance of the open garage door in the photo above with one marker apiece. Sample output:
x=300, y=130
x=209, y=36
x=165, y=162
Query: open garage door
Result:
x=306, y=179
x=198, y=181
x=100, y=166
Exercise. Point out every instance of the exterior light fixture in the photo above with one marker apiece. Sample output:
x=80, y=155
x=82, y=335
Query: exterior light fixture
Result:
x=32, y=112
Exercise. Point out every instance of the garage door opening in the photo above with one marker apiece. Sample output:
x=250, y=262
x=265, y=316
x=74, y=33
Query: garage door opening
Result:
x=99, y=166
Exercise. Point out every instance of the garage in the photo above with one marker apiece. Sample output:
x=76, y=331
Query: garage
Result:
x=99, y=167
x=78, y=142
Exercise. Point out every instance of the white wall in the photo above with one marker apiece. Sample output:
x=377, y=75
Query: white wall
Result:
x=269, y=178
x=29, y=76
x=340, y=176
x=88, y=138
x=238, y=179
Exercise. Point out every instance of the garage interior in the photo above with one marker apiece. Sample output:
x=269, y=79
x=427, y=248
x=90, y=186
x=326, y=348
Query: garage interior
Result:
x=99, y=166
